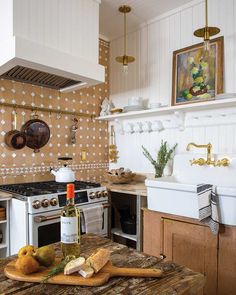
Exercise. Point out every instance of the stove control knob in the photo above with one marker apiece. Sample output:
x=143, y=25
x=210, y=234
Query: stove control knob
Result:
x=53, y=202
x=98, y=195
x=92, y=196
x=45, y=203
x=36, y=204
x=105, y=194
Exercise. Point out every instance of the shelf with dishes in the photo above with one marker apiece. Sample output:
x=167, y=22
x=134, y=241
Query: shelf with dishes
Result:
x=172, y=110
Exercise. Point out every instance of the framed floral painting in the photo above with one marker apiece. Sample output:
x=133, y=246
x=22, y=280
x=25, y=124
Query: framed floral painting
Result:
x=197, y=76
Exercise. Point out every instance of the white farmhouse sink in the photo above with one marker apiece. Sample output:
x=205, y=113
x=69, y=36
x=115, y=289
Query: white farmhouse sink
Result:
x=177, y=194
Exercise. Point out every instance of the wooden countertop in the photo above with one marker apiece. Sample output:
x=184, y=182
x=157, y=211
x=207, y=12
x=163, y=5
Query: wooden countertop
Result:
x=5, y=196
x=176, y=279
x=132, y=188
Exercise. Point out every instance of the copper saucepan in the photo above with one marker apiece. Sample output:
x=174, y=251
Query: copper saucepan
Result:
x=15, y=139
x=37, y=133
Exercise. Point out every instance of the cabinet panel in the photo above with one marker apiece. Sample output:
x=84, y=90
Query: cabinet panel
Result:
x=4, y=227
x=152, y=225
x=227, y=261
x=194, y=246
x=187, y=242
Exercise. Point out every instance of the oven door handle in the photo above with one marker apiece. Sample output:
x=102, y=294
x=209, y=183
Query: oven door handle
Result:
x=43, y=218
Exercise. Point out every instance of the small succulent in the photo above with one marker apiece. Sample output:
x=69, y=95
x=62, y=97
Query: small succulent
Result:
x=163, y=156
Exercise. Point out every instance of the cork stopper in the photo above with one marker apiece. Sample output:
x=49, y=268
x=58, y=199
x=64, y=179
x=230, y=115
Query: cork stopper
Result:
x=70, y=190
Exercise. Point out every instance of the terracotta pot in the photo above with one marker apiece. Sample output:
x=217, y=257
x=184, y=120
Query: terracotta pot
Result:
x=199, y=92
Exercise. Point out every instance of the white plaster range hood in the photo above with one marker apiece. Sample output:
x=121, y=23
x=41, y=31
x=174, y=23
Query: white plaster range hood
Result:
x=52, y=43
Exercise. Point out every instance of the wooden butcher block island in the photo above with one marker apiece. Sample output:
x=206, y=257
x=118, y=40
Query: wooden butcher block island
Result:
x=175, y=279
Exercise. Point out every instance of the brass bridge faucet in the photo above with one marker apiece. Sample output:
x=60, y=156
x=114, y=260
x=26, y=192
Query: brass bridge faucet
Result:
x=222, y=162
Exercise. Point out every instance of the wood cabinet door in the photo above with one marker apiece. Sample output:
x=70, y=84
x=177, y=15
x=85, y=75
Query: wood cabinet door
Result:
x=152, y=234
x=194, y=246
x=227, y=261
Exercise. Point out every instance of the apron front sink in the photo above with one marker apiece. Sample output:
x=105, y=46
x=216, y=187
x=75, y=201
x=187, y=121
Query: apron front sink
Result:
x=177, y=194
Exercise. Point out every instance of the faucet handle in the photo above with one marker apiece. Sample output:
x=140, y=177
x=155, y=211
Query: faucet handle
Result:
x=223, y=162
x=199, y=162
x=192, y=162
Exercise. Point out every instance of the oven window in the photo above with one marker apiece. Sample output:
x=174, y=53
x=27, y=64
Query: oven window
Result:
x=80, y=197
x=48, y=234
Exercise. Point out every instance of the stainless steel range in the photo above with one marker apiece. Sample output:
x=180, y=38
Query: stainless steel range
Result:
x=35, y=210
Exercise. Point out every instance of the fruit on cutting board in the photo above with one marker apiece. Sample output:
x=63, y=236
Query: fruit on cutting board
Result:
x=45, y=255
x=30, y=258
x=26, y=250
x=27, y=264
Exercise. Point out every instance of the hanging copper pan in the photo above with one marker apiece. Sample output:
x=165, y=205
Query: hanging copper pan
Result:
x=15, y=139
x=37, y=133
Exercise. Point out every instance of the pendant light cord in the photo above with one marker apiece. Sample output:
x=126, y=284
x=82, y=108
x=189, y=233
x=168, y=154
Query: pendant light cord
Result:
x=124, y=33
x=206, y=13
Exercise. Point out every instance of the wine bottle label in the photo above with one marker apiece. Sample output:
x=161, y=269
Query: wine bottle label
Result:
x=69, y=230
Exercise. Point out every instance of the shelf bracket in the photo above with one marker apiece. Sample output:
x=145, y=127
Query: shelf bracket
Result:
x=180, y=119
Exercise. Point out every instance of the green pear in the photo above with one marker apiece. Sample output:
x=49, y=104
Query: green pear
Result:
x=45, y=255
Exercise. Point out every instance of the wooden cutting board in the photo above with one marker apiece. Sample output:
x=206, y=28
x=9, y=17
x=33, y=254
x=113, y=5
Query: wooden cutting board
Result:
x=97, y=279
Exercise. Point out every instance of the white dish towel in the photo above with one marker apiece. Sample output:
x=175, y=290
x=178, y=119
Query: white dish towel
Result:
x=208, y=206
x=92, y=219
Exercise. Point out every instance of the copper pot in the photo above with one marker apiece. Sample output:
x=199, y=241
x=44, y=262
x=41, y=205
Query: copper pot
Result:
x=37, y=133
x=15, y=139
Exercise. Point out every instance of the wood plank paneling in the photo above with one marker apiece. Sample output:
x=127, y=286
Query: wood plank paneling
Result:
x=227, y=261
x=186, y=27
x=158, y=39
x=61, y=24
x=194, y=246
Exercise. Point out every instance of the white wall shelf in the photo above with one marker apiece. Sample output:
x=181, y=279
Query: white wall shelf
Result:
x=174, y=110
x=4, y=225
x=118, y=232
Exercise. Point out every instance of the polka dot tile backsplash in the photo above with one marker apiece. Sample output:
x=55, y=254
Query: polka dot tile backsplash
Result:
x=24, y=165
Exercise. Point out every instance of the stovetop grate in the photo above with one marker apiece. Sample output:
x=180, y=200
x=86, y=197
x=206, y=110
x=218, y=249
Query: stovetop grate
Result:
x=44, y=187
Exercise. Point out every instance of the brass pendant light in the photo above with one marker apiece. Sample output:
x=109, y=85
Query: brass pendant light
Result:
x=207, y=31
x=125, y=59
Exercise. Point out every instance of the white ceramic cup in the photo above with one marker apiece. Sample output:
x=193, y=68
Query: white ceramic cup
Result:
x=138, y=127
x=157, y=126
x=129, y=128
x=147, y=126
x=135, y=101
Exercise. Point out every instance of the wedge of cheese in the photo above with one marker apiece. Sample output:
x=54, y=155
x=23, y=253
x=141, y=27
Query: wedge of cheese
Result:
x=86, y=271
x=74, y=265
x=98, y=259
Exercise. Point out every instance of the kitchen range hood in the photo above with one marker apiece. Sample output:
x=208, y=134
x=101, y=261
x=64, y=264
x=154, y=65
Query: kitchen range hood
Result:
x=51, y=43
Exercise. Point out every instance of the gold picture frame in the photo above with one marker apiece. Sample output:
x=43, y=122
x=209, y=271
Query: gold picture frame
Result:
x=197, y=77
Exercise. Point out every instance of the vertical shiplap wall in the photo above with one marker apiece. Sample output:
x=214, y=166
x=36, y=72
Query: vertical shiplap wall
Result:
x=61, y=24
x=151, y=77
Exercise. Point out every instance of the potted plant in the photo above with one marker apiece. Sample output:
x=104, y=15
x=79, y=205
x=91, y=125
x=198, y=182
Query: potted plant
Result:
x=163, y=156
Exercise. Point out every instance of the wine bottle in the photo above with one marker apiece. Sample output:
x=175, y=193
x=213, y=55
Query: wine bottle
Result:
x=70, y=225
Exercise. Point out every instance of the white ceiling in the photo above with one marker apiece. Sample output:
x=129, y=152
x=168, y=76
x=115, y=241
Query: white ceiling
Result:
x=111, y=20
